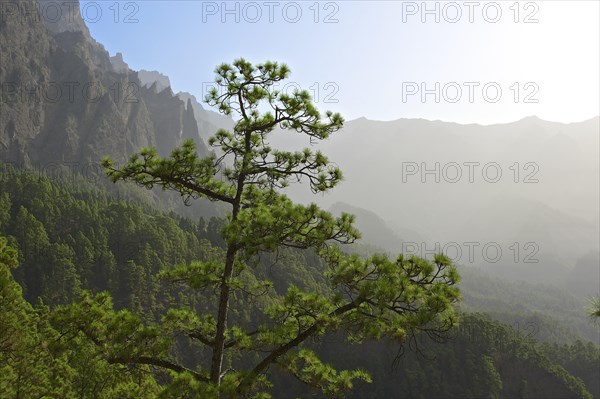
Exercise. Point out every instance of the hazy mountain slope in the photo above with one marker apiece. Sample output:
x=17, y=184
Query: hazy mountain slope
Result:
x=386, y=146
x=584, y=279
x=538, y=243
x=529, y=188
x=543, y=312
x=375, y=230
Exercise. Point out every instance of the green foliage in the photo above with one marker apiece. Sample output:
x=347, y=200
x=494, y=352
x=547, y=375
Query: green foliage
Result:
x=580, y=359
x=308, y=368
x=35, y=362
x=594, y=308
x=372, y=298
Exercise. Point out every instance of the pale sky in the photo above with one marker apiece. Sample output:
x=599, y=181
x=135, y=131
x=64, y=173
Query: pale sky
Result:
x=486, y=62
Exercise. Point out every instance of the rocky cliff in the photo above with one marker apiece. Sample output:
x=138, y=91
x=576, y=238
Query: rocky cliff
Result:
x=208, y=121
x=63, y=100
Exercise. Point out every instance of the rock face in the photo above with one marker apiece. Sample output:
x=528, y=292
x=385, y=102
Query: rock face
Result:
x=208, y=121
x=154, y=78
x=61, y=17
x=118, y=63
x=63, y=101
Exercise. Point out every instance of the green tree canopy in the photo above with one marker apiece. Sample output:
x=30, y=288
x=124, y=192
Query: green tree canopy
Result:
x=594, y=308
x=367, y=298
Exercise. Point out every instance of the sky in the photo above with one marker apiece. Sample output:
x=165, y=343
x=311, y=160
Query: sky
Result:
x=465, y=61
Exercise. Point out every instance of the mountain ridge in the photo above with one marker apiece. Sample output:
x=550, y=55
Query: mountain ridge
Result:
x=533, y=118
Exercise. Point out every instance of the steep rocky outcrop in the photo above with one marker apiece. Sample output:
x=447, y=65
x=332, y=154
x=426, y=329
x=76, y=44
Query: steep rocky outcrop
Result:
x=118, y=63
x=63, y=100
x=154, y=78
x=208, y=121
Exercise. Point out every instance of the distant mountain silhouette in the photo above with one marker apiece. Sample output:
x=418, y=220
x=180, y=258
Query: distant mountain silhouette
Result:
x=546, y=199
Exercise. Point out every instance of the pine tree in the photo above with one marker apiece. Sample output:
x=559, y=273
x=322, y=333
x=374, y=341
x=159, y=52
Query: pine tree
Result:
x=366, y=298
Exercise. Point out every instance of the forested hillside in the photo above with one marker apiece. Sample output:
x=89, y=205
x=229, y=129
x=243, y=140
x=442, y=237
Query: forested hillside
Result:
x=73, y=237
